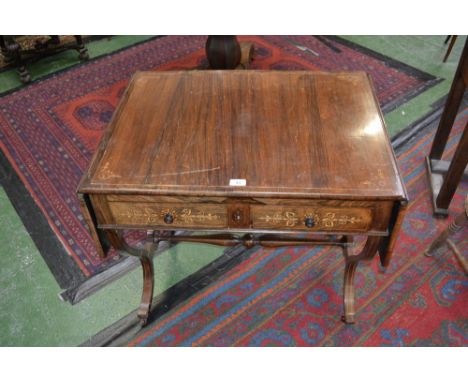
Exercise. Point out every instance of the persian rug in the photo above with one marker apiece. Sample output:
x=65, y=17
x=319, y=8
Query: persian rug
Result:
x=293, y=296
x=50, y=129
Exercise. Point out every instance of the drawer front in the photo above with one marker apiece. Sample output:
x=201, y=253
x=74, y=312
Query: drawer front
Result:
x=336, y=219
x=162, y=212
x=168, y=215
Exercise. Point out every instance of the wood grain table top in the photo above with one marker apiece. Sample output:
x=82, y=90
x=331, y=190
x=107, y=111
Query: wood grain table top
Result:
x=275, y=133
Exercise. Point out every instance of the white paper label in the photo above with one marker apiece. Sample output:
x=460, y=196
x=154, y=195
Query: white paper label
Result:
x=238, y=182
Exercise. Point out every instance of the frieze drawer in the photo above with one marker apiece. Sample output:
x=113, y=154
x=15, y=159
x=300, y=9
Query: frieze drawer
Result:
x=168, y=215
x=312, y=219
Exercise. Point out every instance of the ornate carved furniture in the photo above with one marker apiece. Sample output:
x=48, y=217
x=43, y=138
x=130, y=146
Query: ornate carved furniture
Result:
x=252, y=157
x=445, y=176
x=13, y=52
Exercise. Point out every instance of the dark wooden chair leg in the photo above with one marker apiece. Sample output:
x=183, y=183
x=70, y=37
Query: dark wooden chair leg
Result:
x=455, y=96
x=368, y=252
x=5, y=43
x=14, y=51
x=455, y=172
x=444, y=177
x=81, y=48
x=3, y=47
x=452, y=43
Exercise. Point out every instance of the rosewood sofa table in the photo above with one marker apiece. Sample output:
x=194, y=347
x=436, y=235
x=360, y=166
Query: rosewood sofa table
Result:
x=266, y=158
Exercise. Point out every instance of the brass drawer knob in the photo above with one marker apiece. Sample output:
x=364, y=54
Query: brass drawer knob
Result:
x=168, y=219
x=237, y=216
x=309, y=222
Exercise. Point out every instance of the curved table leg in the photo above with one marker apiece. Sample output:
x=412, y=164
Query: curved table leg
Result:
x=368, y=252
x=148, y=286
x=145, y=256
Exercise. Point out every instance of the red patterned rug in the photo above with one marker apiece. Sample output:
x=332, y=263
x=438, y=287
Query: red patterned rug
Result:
x=49, y=130
x=293, y=296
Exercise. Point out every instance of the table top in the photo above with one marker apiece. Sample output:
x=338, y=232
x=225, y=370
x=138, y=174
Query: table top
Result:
x=247, y=133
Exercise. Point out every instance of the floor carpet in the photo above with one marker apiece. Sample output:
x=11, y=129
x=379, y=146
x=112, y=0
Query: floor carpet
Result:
x=49, y=130
x=292, y=296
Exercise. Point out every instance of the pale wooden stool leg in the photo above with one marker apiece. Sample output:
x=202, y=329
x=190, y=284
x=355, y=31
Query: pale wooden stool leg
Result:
x=458, y=255
x=443, y=238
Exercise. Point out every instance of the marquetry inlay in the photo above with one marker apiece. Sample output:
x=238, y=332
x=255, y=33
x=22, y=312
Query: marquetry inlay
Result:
x=331, y=220
x=288, y=218
x=187, y=216
x=357, y=219
x=181, y=216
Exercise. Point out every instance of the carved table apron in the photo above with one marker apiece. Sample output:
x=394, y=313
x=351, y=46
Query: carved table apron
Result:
x=252, y=158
